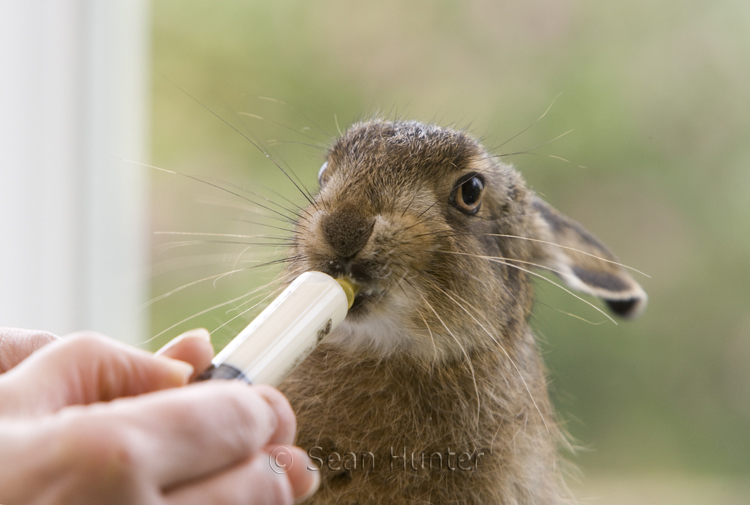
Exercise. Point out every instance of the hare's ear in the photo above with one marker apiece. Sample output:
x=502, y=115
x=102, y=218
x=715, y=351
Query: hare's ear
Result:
x=583, y=262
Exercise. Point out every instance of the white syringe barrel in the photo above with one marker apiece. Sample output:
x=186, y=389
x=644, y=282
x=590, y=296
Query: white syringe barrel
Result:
x=285, y=333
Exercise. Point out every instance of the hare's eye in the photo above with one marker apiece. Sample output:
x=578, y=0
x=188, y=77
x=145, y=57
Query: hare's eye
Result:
x=467, y=196
x=322, y=173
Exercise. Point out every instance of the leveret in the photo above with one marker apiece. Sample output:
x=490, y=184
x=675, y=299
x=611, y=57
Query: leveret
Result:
x=433, y=390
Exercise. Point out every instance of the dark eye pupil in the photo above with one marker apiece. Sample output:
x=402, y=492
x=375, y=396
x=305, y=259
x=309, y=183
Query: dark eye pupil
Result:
x=471, y=190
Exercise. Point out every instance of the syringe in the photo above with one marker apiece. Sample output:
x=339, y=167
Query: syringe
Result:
x=286, y=332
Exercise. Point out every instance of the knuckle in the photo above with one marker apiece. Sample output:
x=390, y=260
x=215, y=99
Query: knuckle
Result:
x=86, y=338
x=247, y=421
x=245, y=408
x=98, y=447
x=84, y=343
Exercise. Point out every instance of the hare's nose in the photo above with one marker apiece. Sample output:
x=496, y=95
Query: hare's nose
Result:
x=347, y=231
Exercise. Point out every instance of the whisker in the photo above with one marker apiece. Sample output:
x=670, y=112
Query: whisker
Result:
x=278, y=123
x=234, y=271
x=239, y=256
x=546, y=155
x=305, y=192
x=283, y=243
x=245, y=208
x=234, y=309
x=577, y=316
x=527, y=151
x=210, y=277
x=262, y=197
x=434, y=346
x=444, y=234
x=414, y=196
x=531, y=125
x=246, y=137
x=205, y=311
x=262, y=224
x=173, y=245
x=206, y=234
x=184, y=286
x=500, y=261
x=568, y=248
x=246, y=310
x=195, y=260
x=214, y=185
x=336, y=120
x=545, y=267
x=502, y=348
x=555, y=157
x=298, y=112
x=321, y=147
x=468, y=359
x=419, y=217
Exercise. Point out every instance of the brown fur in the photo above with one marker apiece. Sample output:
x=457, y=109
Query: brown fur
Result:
x=439, y=357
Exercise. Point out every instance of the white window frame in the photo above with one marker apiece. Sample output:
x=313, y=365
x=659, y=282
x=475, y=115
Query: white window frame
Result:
x=74, y=103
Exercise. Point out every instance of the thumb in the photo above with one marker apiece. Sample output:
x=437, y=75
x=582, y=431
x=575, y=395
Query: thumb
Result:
x=16, y=345
x=82, y=369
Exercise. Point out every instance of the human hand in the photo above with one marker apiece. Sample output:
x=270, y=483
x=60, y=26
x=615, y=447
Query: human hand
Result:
x=87, y=420
x=16, y=345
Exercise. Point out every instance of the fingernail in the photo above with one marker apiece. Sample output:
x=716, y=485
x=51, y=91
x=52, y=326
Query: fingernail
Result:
x=198, y=333
x=315, y=483
x=180, y=368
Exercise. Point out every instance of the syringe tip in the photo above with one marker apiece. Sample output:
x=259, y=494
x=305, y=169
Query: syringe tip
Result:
x=351, y=289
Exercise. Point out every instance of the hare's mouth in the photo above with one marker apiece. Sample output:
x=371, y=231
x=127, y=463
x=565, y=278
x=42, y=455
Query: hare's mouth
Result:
x=364, y=274
x=366, y=299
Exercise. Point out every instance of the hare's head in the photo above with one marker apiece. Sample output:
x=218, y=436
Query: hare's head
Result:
x=443, y=239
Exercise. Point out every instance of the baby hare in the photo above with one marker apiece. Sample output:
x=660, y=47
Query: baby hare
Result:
x=433, y=391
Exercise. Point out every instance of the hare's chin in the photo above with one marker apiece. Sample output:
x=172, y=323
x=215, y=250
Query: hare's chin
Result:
x=377, y=334
x=378, y=325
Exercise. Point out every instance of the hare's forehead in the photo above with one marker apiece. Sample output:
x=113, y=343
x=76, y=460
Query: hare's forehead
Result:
x=394, y=148
x=409, y=167
x=398, y=179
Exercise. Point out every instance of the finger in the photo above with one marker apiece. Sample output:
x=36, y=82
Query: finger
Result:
x=84, y=369
x=287, y=428
x=16, y=345
x=185, y=434
x=40, y=463
x=20, y=457
x=251, y=483
x=190, y=432
x=193, y=347
x=303, y=476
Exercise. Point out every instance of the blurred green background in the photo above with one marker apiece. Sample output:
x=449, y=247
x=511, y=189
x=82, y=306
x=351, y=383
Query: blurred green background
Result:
x=658, y=97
